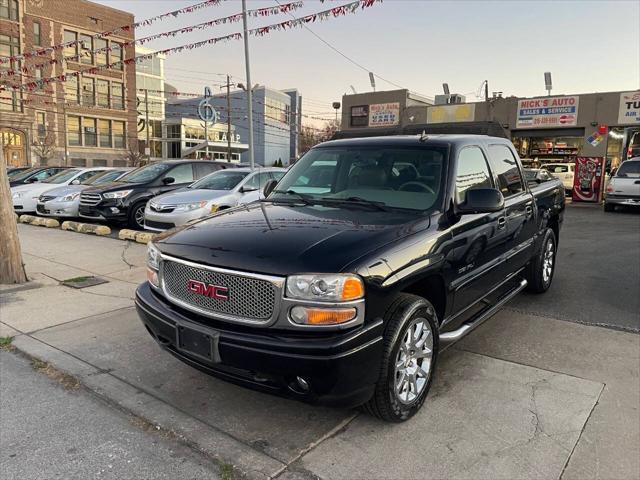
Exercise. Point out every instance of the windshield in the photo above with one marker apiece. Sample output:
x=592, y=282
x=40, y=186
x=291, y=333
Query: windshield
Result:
x=103, y=177
x=63, y=176
x=629, y=169
x=23, y=174
x=16, y=173
x=407, y=178
x=146, y=173
x=220, y=180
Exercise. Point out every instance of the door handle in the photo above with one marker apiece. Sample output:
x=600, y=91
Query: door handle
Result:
x=528, y=211
x=502, y=222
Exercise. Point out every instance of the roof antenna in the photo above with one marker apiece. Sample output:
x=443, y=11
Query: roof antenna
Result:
x=424, y=136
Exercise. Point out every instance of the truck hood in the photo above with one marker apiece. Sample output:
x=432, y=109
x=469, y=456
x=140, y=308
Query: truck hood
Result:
x=280, y=239
x=185, y=195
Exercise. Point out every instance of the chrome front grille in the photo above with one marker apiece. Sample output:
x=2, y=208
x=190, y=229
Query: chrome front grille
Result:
x=90, y=199
x=250, y=298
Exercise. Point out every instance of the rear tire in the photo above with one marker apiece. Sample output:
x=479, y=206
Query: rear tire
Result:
x=539, y=273
x=409, y=359
x=608, y=207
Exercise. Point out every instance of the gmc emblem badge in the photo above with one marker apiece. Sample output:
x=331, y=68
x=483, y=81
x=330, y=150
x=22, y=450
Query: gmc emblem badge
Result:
x=208, y=290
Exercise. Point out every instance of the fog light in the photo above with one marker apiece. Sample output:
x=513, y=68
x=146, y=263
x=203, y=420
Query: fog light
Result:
x=321, y=316
x=152, y=276
x=303, y=384
x=115, y=210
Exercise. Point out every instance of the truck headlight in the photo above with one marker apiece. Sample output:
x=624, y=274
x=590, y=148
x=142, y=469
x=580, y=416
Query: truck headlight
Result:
x=187, y=207
x=120, y=194
x=153, y=264
x=325, y=287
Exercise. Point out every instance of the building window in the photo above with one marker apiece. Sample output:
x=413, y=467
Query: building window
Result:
x=71, y=51
x=73, y=131
x=102, y=87
x=118, y=135
x=99, y=163
x=104, y=127
x=9, y=46
x=38, y=76
x=37, y=38
x=360, y=116
x=71, y=90
x=90, y=134
x=78, y=162
x=116, y=55
x=41, y=123
x=86, y=49
x=9, y=9
x=101, y=56
x=88, y=91
x=117, y=95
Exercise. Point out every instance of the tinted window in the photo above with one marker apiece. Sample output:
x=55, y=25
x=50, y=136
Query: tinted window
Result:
x=257, y=181
x=277, y=175
x=63, y=177
x=222, y=180
x=506, y=169
x=181, y=173
x=472, y=171
x=629, y=169
x=86, y=176
x=204, y=169
x=146, y=173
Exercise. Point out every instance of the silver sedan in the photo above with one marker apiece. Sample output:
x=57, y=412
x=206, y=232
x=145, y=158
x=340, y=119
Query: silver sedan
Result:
x=217, y=191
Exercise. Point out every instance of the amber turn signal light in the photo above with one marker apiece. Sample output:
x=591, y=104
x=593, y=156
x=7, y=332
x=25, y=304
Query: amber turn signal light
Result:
x=352, y=289
x=322, y=316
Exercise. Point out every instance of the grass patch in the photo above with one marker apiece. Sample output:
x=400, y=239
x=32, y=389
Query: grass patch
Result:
x=226, y=472
x=67, y=381
x=77, y=279
x=5, y=343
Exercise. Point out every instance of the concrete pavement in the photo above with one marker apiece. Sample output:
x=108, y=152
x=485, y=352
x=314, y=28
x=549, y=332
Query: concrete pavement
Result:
x=525, y=396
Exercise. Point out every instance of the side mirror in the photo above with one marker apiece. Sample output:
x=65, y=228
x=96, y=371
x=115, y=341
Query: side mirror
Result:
x=482, y=200
x=268, y=187
x=75, y=182
x=247, y=189
x=168, y=180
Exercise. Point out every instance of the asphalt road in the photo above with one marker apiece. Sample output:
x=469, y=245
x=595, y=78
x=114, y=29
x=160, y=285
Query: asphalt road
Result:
x=49, y=432
x=597, y=277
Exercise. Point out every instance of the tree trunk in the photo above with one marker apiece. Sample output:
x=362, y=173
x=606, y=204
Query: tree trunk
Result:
x=11, y=267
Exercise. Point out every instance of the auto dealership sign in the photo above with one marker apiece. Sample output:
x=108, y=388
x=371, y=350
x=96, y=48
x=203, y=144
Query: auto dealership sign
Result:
x=384, y=114
x=629, y=111
x=548, y=112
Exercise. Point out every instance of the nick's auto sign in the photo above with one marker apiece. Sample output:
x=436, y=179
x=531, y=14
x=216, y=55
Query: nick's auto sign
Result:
x=548, y=112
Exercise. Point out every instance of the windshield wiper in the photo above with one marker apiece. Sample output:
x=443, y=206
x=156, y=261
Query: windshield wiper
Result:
x=358, y=201
x=305, y=198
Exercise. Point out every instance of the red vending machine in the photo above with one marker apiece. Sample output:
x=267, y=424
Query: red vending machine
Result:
x=588, y=179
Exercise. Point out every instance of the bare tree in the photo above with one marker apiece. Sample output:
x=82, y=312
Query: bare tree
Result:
x=45, y=148
x=11, y=267
x=135, y=157
x=311, y=136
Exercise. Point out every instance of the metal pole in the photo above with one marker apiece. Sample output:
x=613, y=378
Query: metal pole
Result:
x=146, y=122
x=228, y=119
x=249, y=84
x=66, y=139
x=486, y=90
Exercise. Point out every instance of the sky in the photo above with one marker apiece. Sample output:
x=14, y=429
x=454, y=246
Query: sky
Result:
x=589, y=46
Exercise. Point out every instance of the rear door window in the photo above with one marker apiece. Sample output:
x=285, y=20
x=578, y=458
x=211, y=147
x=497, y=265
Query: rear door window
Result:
x=506, y=168
x=203, y=169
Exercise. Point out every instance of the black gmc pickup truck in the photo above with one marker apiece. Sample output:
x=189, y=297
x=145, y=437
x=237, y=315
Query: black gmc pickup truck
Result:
x=363, y=262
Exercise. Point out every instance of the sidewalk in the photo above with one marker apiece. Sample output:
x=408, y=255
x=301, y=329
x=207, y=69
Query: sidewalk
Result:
x=524, y=396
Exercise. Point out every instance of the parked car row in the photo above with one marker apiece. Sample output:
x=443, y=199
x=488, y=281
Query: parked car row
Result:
x=182, y=190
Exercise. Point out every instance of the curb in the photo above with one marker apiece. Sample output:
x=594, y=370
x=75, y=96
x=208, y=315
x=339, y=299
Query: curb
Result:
x=218, y=445
x=136, y=236
x=39, y=221
x=99, y=230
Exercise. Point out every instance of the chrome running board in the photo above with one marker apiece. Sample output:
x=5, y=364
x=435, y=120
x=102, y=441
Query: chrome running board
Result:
x=466, y=328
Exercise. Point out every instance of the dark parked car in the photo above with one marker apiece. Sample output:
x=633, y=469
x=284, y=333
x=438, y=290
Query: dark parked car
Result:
x=36, y=174
x=125, y=199
x=14, y=171
x=342, y=287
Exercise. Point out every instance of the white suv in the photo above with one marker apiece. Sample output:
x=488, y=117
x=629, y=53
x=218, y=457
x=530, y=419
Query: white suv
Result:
x=563, y=171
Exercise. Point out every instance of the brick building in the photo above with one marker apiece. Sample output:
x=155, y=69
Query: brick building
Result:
x=93, y=115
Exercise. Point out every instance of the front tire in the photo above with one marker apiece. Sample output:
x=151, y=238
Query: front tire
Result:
x=608, y=207
x=136, y=216
x=539, y=273
x=409, y=359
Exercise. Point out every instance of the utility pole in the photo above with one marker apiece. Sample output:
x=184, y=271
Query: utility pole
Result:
x=147, y=149
x=228, y=119
x=249, y=84
x=66, y=139
x=486, y=90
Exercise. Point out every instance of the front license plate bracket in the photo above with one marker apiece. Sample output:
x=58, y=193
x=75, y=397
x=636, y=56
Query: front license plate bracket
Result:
x=198, y=343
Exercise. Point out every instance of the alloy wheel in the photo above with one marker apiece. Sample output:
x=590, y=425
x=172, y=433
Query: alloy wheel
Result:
x=547, y=261
x=139, y=216
x=413, y=361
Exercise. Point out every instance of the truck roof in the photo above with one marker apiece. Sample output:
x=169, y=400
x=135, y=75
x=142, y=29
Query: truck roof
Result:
x=411, y=140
